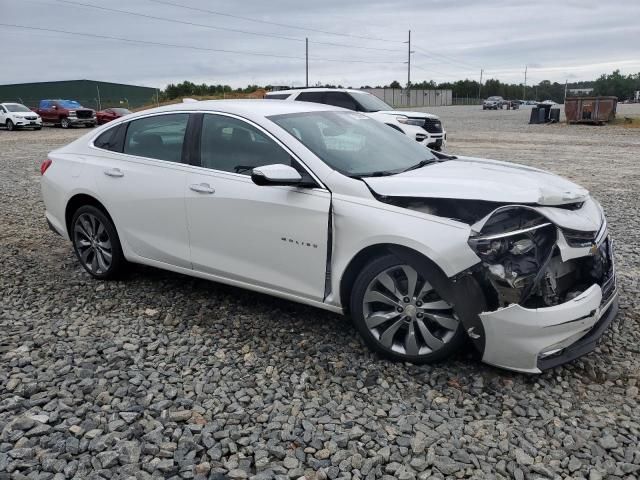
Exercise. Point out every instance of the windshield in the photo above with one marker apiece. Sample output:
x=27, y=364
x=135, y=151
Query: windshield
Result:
x=16, y=107
x=495, y=99
x=68, y=104
x=354, y=144
x=370, y=103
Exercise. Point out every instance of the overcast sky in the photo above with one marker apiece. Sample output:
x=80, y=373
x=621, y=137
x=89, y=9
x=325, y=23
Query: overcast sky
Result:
x=452, y=39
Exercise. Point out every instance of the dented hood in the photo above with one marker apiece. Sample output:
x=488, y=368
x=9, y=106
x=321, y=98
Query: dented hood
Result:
x=470, y=178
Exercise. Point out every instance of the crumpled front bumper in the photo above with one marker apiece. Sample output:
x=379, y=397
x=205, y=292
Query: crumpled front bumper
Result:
x=531, y=340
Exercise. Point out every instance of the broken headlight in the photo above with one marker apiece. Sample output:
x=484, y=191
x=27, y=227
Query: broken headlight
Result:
x=514, y=249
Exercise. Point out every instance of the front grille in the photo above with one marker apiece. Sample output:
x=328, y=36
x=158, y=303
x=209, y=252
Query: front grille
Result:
x=432, y=125
x=84, y=113
x=31, y=118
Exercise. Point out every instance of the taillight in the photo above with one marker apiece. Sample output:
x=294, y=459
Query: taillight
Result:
x=46, y=164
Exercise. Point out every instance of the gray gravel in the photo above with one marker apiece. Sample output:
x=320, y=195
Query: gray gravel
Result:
x=165, y=376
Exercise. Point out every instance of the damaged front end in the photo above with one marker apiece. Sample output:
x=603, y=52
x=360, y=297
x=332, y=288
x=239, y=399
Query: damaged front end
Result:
x=547, y=288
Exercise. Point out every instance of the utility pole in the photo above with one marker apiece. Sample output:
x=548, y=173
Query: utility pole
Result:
x=409, y=52
x=480, y=86
x=566, y=83
x=306, y=44
x=524, y=87
x=99, y=104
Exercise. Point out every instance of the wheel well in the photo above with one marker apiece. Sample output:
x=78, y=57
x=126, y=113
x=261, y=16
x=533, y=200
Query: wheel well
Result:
x=363, y=257
x=78, y=201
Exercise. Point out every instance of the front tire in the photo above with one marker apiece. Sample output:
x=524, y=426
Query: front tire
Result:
x=401, y=315
x=64, y=123
x=96, y=243
x=10, y=125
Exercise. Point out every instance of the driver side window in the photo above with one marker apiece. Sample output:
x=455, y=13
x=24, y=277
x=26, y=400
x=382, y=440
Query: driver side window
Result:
x=232, y=145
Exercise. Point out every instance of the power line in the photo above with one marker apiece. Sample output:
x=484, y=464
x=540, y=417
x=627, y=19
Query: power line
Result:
x=192, y=47
x=446, y=59
x=267, y=22
x=227, y=29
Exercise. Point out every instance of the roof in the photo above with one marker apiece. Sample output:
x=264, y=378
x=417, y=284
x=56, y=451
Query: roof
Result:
x=316, y=89
x=247, y=107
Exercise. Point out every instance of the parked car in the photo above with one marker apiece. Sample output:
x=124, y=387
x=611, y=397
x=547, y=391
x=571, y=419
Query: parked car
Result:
x=66, y=113
x=493, y=103
x=423, y=127
x=108, y=114
x=548, y=102
x=330, y=208
x=16, y=115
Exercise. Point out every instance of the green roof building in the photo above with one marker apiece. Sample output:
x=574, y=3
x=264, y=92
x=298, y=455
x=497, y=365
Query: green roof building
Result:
x=90, y=93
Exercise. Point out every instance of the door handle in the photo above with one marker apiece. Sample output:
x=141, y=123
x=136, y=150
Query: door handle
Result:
x=114, y=172
x=202, y=188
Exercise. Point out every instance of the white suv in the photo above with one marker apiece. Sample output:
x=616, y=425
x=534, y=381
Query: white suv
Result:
x=16, y=115
x=422, y=127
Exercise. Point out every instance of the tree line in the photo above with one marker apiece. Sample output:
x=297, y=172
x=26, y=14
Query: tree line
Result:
x=615, y=83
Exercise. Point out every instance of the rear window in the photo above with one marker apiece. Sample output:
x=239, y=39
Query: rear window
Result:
x=110, y=139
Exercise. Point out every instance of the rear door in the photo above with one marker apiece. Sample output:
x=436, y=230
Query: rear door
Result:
x=271, y=236
x=141, y=179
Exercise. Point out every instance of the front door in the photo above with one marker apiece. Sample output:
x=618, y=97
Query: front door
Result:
x=270, y=236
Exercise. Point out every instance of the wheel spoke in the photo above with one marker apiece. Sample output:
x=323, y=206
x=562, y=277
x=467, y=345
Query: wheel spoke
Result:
x=437, y=305
x=412, y=280
x=432, y=342
x=376, y=319
x=386, y=338
x=373, y=296
x=410, y=341
x=390, y=284
x=86, y=224
x=94, y=262
x=101, y=262
x=446, y=321
x=84, y=256
x=79, y=228
x=426, y=288
x=100, y=230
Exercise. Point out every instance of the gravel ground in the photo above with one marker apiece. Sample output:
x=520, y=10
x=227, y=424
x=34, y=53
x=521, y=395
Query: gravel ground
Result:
x=165, y=376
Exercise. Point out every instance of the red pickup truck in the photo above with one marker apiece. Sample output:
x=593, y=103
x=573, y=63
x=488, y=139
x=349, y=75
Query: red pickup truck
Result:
x=66, y=113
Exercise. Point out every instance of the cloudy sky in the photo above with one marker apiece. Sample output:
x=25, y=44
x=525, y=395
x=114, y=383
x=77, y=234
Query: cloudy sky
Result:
x=353, y=42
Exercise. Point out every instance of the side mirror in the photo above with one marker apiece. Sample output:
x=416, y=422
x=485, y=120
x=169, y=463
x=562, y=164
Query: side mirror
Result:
x=277, y=174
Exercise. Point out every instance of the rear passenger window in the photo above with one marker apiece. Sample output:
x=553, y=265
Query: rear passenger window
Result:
x=160, y=137
x=231, y=145
x=340, y=99
x=315, y=97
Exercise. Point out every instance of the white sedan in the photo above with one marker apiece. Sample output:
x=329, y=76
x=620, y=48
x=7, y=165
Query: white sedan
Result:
x=331, y=208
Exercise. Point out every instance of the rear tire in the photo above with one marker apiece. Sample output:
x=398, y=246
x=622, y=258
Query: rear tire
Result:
x=96, y=243
x=10, y=125
x=401, y=315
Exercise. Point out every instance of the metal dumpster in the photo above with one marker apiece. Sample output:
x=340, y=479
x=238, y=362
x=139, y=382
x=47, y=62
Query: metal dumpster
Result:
x=596, y=110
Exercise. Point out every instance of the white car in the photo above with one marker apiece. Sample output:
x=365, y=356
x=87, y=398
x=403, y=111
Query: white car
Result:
x=331, y=208
x=425, y=128
x=16, y=115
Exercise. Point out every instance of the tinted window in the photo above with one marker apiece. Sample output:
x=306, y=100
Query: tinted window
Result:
x=315, y=97
x=2, y=109
x=339, y=99
x=45, y=104
x=278, y=96
x=159, y=137
x=110, y=140
x=232, y=145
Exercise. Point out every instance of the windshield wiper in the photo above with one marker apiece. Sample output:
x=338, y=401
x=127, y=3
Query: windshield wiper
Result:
x=379, y=173
x=420, y=164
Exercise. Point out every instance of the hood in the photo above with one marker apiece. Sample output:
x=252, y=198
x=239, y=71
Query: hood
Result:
x=468, y=178
x=407, y=113
x=23, y=114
